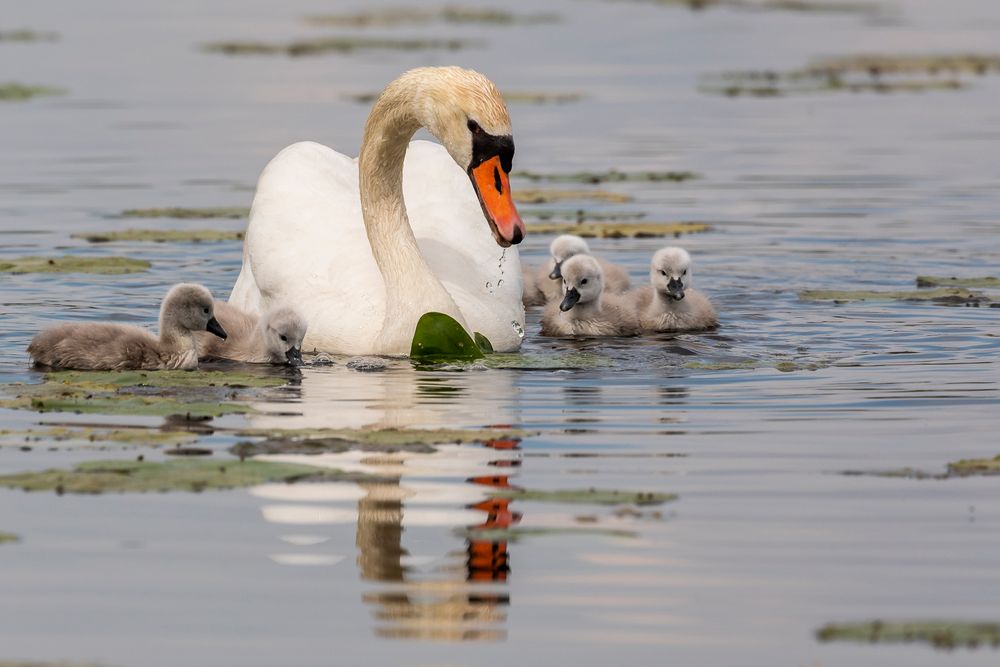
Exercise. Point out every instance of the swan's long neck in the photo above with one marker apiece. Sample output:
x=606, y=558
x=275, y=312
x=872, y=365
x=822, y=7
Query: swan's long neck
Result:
x=411, y=288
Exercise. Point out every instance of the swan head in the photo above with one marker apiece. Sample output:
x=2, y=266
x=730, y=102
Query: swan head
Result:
x=466, y=113
x=190, y=307
x=583, y=281
x=562, y=248
x=670, y=272
x=283, y=330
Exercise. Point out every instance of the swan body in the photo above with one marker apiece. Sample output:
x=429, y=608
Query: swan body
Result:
x=670, y=303
x=585, y=310
x=273, y=338
x=187, y=308
x=363, y=247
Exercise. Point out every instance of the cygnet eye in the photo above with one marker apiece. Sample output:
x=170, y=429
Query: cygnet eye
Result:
x=284, y=338
x=684, y=272
x=206, y=311
x=662, y=272
x=583, y=282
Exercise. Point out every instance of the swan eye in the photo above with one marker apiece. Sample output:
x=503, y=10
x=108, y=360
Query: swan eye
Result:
x=284, y=339
x=583, y=282
x=474, y=127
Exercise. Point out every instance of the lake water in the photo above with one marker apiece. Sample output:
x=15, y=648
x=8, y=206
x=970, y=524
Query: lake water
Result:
x=767, y=542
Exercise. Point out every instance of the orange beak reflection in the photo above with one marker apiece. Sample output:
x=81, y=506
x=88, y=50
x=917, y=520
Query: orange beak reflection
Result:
x=493, y=187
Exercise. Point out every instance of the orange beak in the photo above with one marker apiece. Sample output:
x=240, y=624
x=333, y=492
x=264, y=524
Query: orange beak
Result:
x=493, y=187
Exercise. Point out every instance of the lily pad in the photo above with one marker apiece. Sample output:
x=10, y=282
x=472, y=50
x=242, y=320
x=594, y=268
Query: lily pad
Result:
x=184, y=474
x=311, y=47
x=530, y=196
x=610, y=176
x=182, y=213
x=8, y=537
x=18, y=92
x=485, y=346
x=125, y=436
x=162, y=235
x=940, y=281
x=439, y=337
x=515, y=533
x=941, y=294
x=940, y=634
x=74, y=264
x=619, y=230
x=586, y=496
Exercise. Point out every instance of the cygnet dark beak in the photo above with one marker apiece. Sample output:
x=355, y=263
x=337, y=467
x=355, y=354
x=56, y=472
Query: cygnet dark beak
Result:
x=213, y=327
x=675, y=288
x=294, y=356
x=572, y=296
x=556, y=273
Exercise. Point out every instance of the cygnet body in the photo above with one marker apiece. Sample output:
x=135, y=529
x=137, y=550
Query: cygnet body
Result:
x=670, y=303
x=585, y=310
x=187, y=308
x=544, y=284
x=273, y=338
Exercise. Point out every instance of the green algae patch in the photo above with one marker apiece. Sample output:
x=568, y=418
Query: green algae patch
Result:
x=74, y=264
x=120, y=476
x=516, y=533
x=19, y=92
x=122, y=436
x=25, y=35
x=940, y=295
x=162, y=236
x=985, y=467
x=439, y=338
x=586, y=496
x=536, y=196
x=830, y=84
x=969, y=467
x=940, y=634
x=370, y=439
x=746, y=364
x=797, y=6
x=8, y=537
x=185, y=213
x=610, y=176
x=312, y=47
x=383, y=18
x=579, y=216
x=941, y=281
x=554, y=361
x=620, y=230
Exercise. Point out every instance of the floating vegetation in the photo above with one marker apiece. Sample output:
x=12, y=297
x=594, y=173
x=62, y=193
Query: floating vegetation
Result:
x=319, y=441
x=412, y=15
x=125, y=436
x=516, y=97
x=586, y=496
x=8, y=537
x=746, y=364
x=182, y=213
x=120, y=476
x=439, y=337
x=802, y=6
x=158, y=393
x=857, y=74
x=535, y=196
x=312, y=47
x=610, y=176
x=939, y=281
x=516, y=533
x=27, y=35
x=74, y=264
x=940, y=634
x=162, y=236
x=619, y=230
x=580, y=215
x=954, y=295
x=964, y=468
x=546, y=362
x=17, y=92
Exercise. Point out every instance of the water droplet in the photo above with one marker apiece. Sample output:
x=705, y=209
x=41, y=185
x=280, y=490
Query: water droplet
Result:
x=518, y=329
x=489, y=285
x=500, y=283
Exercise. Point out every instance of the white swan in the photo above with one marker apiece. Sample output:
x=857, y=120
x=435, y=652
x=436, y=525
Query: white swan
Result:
x=332, y=237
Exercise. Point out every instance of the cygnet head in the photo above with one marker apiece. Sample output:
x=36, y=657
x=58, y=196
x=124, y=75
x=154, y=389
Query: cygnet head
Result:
x=283, y=330
x=583, y=281
x=189, y=307
x=466, y=113
x=670, y=272
x=562, y=248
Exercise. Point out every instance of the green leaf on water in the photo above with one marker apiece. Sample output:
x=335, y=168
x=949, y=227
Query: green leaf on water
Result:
x=74, y=264
x=940, y=634
x=131, y=476
x=439, y=337
x=485, y=346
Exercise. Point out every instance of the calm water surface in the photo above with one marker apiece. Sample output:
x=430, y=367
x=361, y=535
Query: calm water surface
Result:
x=767, y=542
